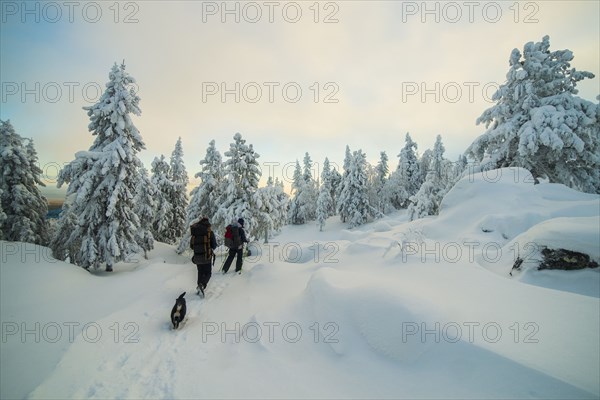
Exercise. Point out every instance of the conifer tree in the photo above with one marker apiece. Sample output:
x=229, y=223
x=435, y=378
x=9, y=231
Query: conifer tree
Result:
x=23, y=206
x=102, y=181
x=539, y=123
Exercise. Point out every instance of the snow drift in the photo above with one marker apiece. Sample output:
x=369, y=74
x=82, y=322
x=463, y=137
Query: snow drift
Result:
x=387, y=310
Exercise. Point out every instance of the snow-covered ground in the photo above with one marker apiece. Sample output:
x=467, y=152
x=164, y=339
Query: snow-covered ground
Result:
x=392, y=309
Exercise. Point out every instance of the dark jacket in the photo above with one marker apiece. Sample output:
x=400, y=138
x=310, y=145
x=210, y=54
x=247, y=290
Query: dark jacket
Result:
x=241, y=232
x=203, y=242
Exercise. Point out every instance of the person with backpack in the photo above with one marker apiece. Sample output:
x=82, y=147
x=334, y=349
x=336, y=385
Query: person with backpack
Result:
x=203, y=243
x=235, y=237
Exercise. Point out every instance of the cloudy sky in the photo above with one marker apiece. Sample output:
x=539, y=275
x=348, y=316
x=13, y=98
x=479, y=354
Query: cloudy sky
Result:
x=291, y=77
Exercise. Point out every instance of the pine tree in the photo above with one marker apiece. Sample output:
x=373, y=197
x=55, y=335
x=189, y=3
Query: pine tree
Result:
x=102, y=181
x=271, y=204
x=336, y=183
x=328, y=178
x=2, y=218
x=145, y=208
x=358, y=207
x=344, y=193
x=297, y=209
x=65, y=243
x=425, y=163
x=242, y=175
x=21, y=202
x=178, y=195
x=324, y=204
x=324, y=201
x=379, y=181
x=309, y=190
x=429, y=197
x=283, y=199
x=161, y=179
x=205, y=196
x=538, y=123
x=406, y=180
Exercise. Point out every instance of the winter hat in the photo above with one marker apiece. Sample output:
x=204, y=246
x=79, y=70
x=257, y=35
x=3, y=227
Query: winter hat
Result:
x=241, y=221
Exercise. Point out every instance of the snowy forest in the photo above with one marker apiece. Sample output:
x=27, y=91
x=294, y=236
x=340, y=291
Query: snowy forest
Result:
x=116, y=208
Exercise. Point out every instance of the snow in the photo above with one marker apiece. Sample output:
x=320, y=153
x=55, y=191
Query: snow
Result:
x=335, y=314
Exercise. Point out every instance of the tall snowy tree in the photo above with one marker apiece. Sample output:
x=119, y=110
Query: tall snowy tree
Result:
x=310, y=192
x=102, y=180
x=379, y=199
x=145, y=208
x=539, y=123
x=271, y=204
x=205, y=196
x=336, y=183
x=23, y=205
x=2, y=218
x=425, y=163
x=242, y=175
x=297, y=210
x=343, y=194
x=65, y=243
x=406, y=180
x=324, y=201
x=356, y=186
x=162, y=228
x=457, y=170
x=178, y=195
x=427, y=200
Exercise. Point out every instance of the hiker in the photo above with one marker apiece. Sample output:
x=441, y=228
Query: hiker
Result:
x=235, y=237
x=203, y=243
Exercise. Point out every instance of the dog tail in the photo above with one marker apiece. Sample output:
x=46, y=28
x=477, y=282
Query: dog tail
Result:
x=181, y=296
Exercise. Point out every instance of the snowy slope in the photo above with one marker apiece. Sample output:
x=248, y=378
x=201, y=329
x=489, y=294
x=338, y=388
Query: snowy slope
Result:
x=382, y=311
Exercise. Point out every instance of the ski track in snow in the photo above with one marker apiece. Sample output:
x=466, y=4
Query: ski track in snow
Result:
x=160, y=366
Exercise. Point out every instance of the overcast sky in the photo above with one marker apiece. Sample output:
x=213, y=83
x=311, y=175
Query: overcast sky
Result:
x=290, y=77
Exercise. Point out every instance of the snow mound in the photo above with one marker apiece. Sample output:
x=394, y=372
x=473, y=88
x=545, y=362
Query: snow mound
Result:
x=365, y=312
x=502, y=215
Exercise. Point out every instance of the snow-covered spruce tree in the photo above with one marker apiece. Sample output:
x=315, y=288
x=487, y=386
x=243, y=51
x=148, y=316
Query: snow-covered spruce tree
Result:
x=297, y=214
x=205, y=196
x=21, y=201
x=65, y=243
x=427, y=200
x=380, y=200
x=161, y=179
x=102, y=181
x=343, y=194
x=336, y=183
x=310, y=191
x=410, y=173
x=357, y=186
x=283, y=199
x=178, y=195
x=145, y=208
x=271, y=207
x=324, y=201
x=425, y=163
x=2, y=218
x=303, y=204
x=457, y=171
x=242, y=175
x=539, y=123
x=405, y=181
x=328, y=178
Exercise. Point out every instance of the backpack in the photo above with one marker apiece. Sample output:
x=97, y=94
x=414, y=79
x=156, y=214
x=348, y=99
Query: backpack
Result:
x=232, y=237
x=200, y=243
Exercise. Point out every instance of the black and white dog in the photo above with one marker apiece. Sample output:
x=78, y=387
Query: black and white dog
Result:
x=178, y=311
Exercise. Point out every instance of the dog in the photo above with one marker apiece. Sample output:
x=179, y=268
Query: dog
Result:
x=178, y=311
